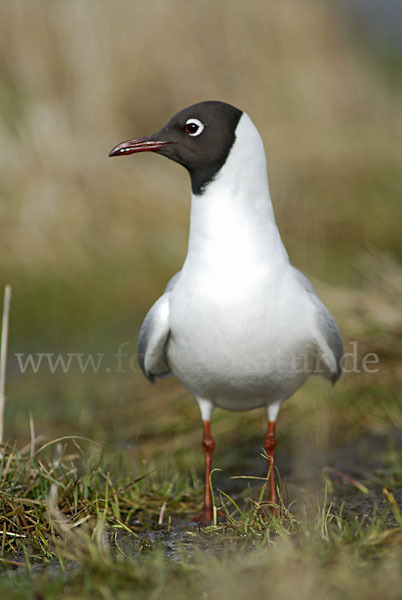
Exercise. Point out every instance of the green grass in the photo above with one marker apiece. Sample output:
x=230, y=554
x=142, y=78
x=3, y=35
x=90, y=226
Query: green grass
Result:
x=81, y=518
x=74, y=528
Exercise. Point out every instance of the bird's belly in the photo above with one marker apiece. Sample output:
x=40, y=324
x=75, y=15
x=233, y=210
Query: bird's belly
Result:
x=237, y=358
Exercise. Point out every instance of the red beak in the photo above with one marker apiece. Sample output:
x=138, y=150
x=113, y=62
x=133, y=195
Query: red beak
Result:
x=144, y=144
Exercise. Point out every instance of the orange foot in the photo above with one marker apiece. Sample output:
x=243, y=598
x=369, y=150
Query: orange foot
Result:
x=205, y=517
x=269, y=510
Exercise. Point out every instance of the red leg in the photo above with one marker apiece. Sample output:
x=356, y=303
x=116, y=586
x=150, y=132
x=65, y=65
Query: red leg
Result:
x=270, y=444
x=205, y=517
x=208, y=444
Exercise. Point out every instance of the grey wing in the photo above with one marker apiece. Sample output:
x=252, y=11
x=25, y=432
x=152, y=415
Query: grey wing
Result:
x=154, y=336
x=329, y=339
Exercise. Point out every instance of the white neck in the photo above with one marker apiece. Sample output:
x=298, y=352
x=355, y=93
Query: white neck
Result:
x=232, y=221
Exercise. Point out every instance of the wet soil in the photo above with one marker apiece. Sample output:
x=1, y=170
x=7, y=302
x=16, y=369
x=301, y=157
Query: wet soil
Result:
x=363, y=459
x=302, y=484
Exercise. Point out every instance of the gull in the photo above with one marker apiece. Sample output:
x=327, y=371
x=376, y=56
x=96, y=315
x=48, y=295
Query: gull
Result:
x=238, y=326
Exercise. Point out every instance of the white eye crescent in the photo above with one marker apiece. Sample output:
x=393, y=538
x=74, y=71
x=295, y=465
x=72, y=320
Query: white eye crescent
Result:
x=194, y=127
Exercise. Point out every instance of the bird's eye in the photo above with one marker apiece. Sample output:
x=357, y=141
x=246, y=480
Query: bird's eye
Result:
x=194, y=127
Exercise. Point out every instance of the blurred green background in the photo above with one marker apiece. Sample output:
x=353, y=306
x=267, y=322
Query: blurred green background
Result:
x=88, y=243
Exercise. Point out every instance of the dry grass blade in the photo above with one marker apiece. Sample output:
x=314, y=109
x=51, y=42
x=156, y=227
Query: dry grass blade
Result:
x=348, y=478
x=3, y=356
x=66, y=437
x=394, y=505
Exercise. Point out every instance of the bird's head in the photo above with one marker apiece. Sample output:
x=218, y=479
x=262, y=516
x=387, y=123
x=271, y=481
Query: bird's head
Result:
x=198, y=137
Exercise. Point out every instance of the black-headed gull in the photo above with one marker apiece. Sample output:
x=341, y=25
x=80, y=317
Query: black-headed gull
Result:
x=239, y=326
